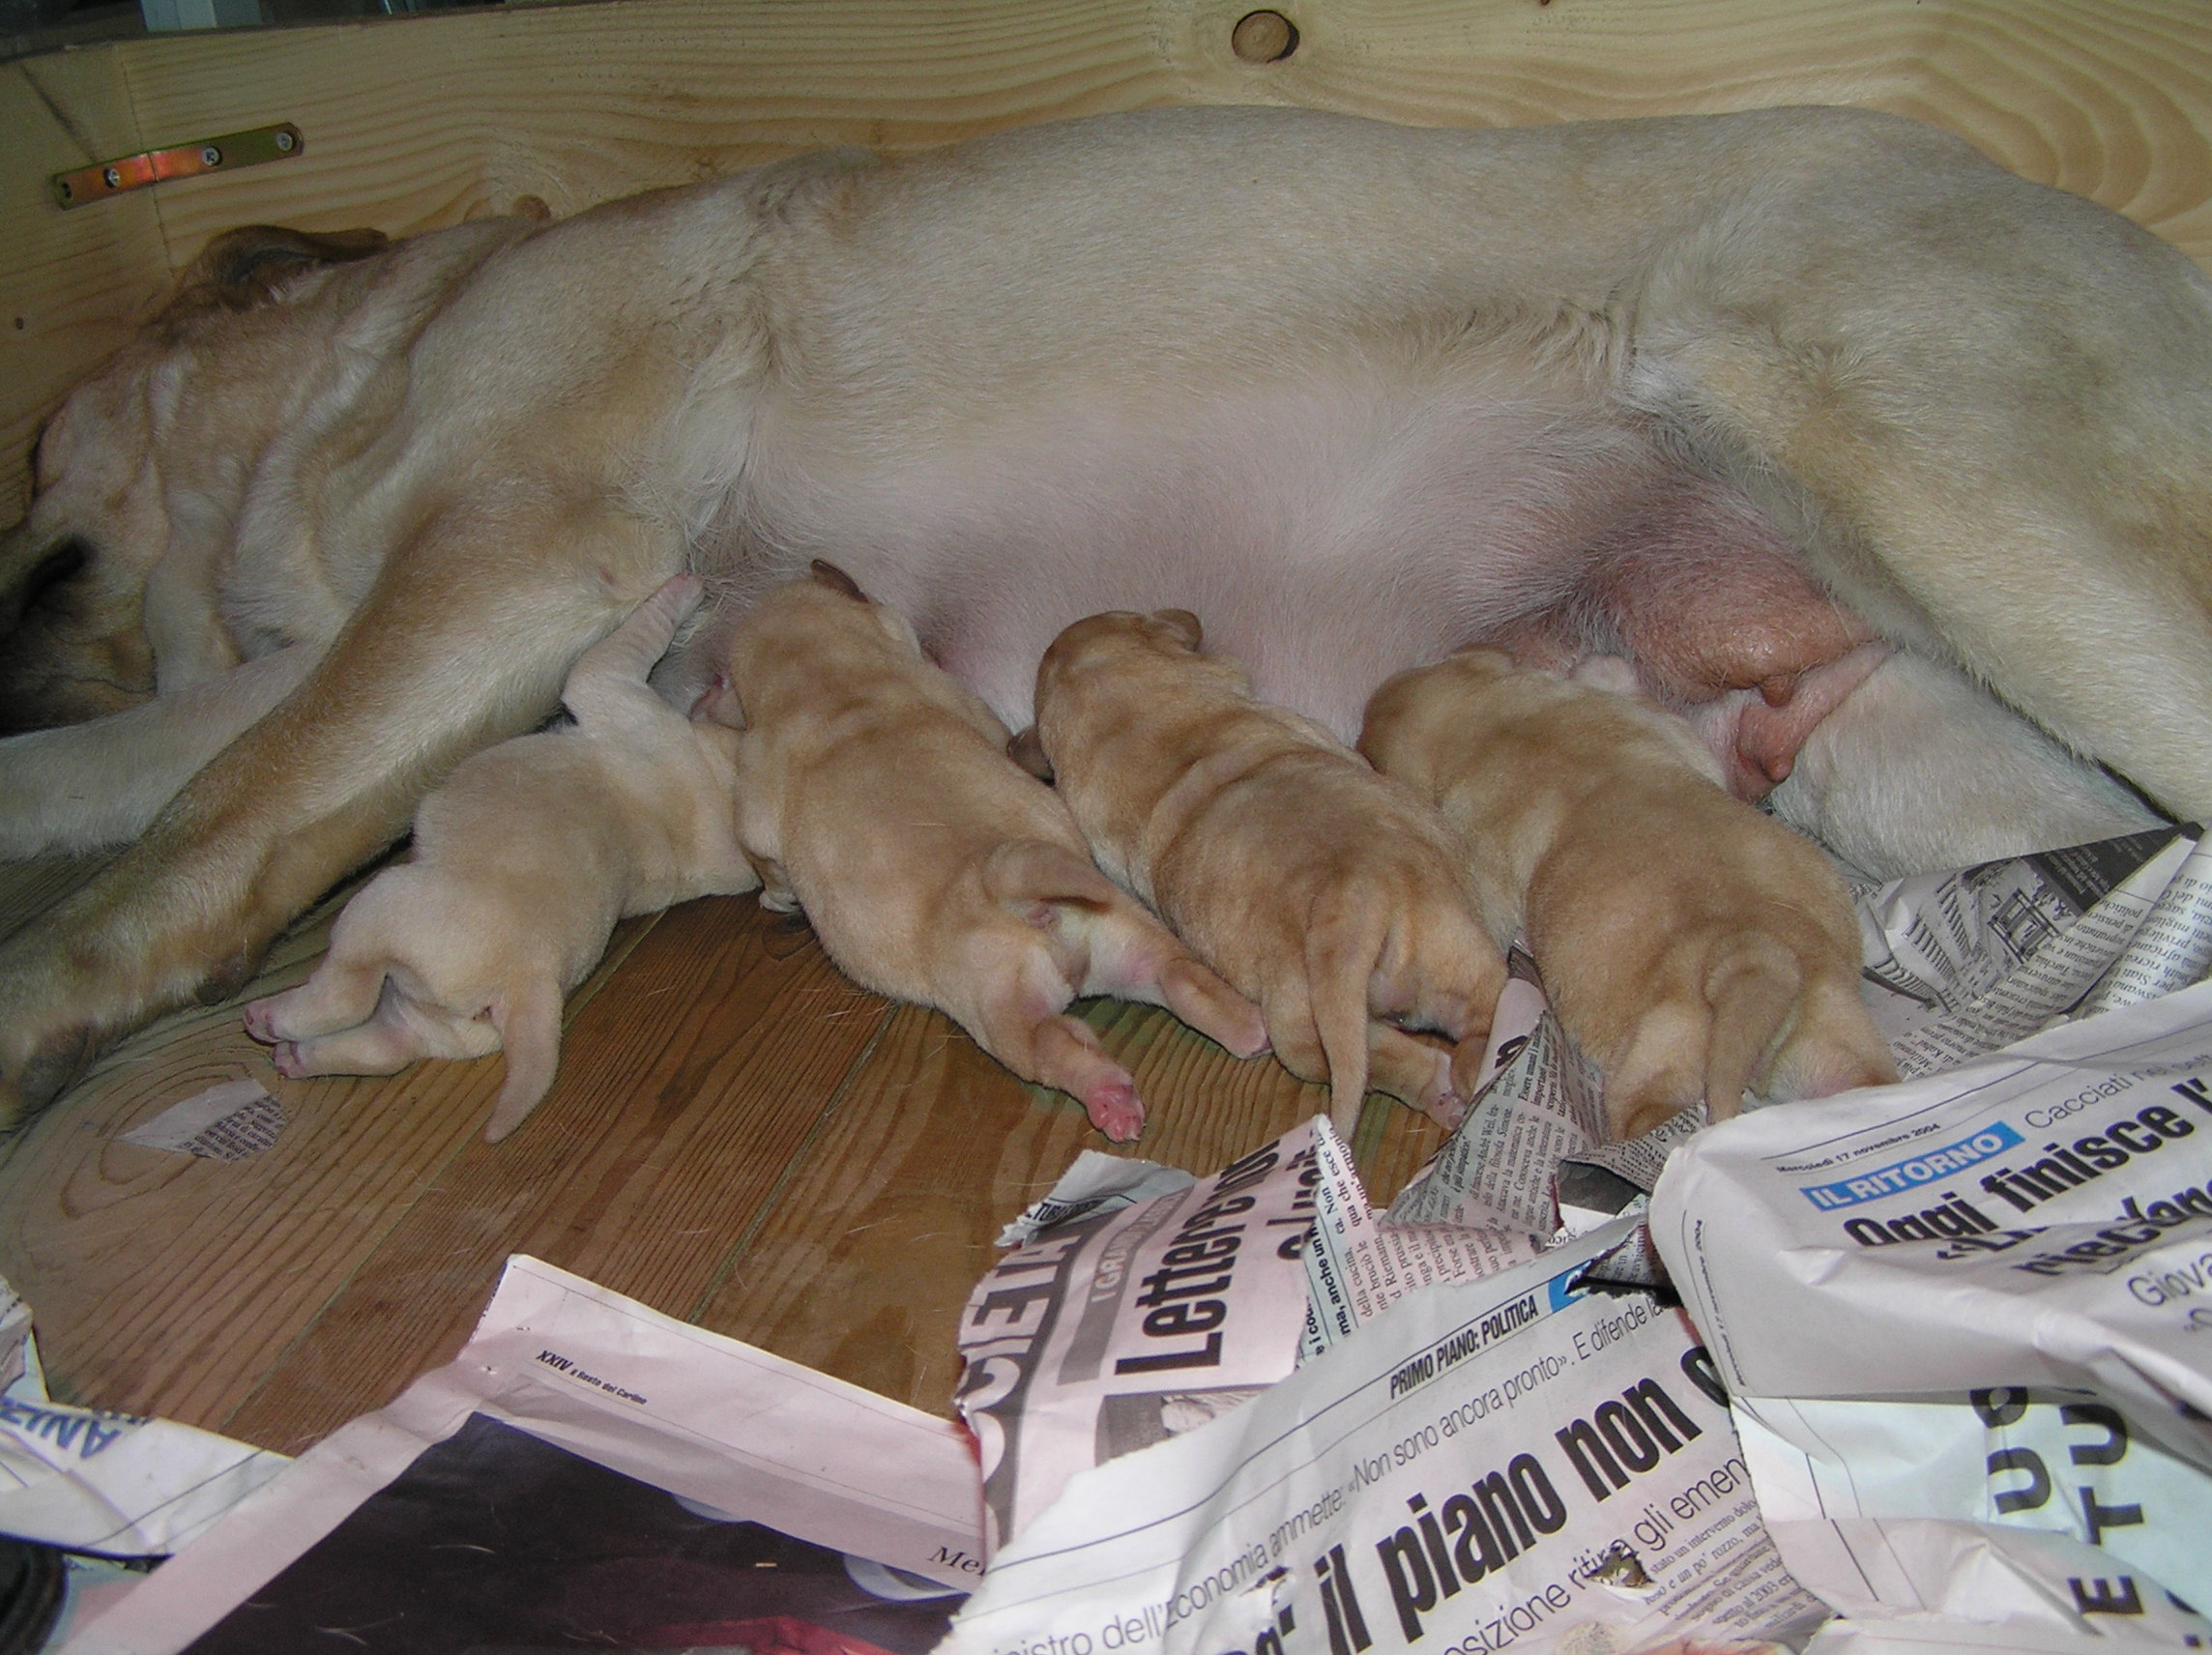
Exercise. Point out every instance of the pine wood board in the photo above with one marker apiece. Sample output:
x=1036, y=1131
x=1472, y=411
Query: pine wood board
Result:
x=416, y=123
x=934, y=1146
x=164, y=1283
x=687, y=1089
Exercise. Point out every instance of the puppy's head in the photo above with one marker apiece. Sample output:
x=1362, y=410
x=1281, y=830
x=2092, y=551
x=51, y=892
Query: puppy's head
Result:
x=1118, y=635
x=1409, y=717
x=808, y=633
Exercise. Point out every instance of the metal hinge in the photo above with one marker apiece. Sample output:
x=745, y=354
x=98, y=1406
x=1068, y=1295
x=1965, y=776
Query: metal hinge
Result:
x=210, y=155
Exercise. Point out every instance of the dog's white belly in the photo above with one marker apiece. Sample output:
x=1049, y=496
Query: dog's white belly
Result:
x=1326, y=534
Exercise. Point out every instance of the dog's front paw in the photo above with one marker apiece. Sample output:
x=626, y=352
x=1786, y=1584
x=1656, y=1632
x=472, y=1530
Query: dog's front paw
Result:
x=34, y=1073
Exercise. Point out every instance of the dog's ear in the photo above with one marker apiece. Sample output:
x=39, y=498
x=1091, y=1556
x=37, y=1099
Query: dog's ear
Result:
x=1183, y=624
x=242, y=268
x=836, y=579
x=1027, y=752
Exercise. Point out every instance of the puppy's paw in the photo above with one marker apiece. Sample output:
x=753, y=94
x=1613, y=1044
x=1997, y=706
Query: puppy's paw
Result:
x=1202, y=999
x=285, y=1055
x=261, y=1020
x=1115, y=1109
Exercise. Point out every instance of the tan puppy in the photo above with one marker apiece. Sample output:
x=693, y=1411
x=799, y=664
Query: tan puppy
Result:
x=875, y=793
x=1691, y=946
x=523, y=862
x=1328, y=893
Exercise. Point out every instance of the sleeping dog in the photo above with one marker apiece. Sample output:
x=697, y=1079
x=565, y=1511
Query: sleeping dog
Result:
x=1692, y=948
x=1764, y=403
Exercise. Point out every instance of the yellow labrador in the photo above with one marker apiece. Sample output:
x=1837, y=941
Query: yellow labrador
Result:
x=876, y=793
x=1691, y=946
x=1757, y=402
x=1330, y=895
x=522, y=862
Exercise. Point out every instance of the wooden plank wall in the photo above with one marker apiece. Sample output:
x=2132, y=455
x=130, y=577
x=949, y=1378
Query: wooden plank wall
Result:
x=416, y=123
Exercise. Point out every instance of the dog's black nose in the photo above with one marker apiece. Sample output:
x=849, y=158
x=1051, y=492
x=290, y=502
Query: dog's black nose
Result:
x=63, y=561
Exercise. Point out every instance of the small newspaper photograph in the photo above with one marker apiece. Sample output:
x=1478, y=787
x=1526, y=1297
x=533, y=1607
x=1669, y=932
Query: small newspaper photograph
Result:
x=587, y=1474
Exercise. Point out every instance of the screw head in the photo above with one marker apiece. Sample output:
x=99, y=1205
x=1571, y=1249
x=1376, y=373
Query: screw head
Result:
x=209, y=156
x=111, y=177
x=284, y=143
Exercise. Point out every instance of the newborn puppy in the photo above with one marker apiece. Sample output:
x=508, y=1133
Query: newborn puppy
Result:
x=1330, y=895
x=875, y=793
x=1691, y=946
x=523, y=861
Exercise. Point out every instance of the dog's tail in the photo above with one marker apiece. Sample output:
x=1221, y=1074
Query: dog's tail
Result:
x=530, y=1029
x=1344, y=941
x=1038, y=878
x=616, y=665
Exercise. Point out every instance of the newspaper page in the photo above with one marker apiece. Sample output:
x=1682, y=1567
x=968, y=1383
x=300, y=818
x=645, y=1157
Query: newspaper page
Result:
x=1514, y=1462
x=2039, y=1217
x=1119, y=1328
x=1857, y=1492
x=1960, y=964
x=1357, y=1267
x=586, y=1472
x=95, y=1482
x=1538, y=1103
x=1966, y=1316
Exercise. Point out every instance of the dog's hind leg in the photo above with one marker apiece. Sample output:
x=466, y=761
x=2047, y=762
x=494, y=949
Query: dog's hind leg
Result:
x=464, y=641
x=1983, y=409
x=1919, y=771
x=83, y=787
x=399, y=1034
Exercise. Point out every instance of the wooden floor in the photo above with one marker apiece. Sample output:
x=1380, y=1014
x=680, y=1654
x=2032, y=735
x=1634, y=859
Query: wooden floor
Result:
x=738, y=1137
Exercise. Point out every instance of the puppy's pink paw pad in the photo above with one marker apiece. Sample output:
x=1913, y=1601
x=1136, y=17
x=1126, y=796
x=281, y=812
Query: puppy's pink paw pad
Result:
x=286, y=1057
x=1116, y=1110
x=261, y=1023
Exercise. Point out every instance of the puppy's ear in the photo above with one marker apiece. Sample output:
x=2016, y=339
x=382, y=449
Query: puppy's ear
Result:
x=718, y=704
x=836, y=579
x=242, y=268
x=1183, y=624
x=1027, y=752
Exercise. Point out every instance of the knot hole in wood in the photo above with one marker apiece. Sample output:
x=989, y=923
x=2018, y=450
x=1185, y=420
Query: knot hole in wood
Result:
x=1264, y=37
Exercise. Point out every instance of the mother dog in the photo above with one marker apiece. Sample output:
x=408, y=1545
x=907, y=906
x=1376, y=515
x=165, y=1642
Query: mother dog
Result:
x=1819, y=419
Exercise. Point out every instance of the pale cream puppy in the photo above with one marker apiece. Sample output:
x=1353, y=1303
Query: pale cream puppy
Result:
x=1330, y=895
x=1691, y=946
x=874, y=794
x=523, y=861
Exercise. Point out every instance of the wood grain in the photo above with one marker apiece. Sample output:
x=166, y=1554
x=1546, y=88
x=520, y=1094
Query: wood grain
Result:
x=863, y=1266
x=687, y=1085
x=414, y=122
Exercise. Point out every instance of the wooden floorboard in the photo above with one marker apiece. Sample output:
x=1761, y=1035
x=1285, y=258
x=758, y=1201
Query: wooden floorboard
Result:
x=739, y=1136
x=687, y=1088
x=861, y=1268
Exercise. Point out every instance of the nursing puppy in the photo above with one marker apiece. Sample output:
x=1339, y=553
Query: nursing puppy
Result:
x=1328, y=893
x=523, y=861
x=876, y=795
x=1691, y=946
